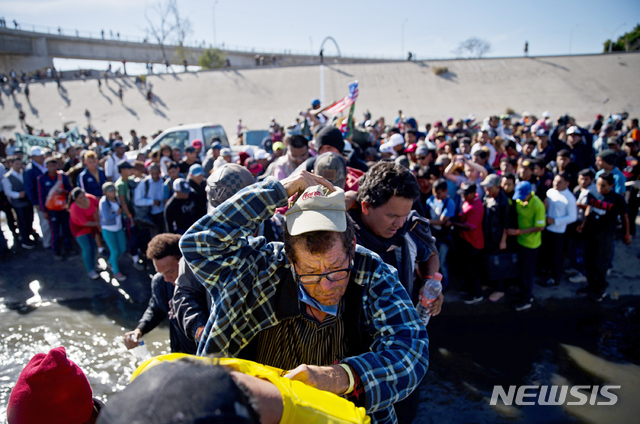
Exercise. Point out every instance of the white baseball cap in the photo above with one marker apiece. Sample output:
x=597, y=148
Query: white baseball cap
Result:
x=35, y=151
x=317, y=209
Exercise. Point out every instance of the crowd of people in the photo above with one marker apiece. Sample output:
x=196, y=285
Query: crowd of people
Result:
x=254, y=246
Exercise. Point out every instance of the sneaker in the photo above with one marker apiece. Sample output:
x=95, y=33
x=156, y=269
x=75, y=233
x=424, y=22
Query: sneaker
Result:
x=470, y=299
x=597, y=297
x=609, y=271
x=583, y=291
x=58, y=257
x=524, y=304
x=138, y=266
x=28, y=246
x=120, y=276
x=94, y=275
x=572, y=271
x=495, y=296
x=578, y=278
x=549, y=283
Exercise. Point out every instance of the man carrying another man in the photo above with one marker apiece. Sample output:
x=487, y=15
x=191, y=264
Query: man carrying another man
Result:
x=330, y=311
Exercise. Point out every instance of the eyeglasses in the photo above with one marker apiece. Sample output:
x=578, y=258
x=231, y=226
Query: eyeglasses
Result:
x=421, y=157
x=311, y=279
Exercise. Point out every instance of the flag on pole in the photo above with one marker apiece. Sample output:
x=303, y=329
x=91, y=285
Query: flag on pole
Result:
x=347, y=125
x=347, y=101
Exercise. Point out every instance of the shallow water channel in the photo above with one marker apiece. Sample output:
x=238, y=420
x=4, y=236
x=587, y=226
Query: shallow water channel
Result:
x=563, y=343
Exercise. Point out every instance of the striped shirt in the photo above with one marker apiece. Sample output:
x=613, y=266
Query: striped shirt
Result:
x=306, y=340
x=247, y=280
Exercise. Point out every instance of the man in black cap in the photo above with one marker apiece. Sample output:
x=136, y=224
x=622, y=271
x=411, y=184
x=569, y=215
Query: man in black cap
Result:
x=606, y=162
x=544, y=151
x=181, y=210
x=329, y=139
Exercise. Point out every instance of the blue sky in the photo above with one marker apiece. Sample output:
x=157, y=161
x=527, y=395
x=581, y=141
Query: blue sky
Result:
x=364, y=28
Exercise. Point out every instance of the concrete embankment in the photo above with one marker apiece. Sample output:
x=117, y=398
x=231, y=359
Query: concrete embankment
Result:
x=579, y=85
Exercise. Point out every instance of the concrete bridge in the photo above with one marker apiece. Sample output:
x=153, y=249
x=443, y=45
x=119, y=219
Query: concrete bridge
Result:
x=28, y=50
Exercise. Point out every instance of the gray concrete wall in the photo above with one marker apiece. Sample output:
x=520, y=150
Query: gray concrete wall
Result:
x=575, y=84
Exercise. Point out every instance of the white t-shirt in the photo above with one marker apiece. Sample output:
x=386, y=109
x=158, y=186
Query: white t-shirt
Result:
x=562, y=208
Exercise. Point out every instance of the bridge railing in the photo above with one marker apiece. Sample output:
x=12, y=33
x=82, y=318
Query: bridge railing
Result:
x=110, y=35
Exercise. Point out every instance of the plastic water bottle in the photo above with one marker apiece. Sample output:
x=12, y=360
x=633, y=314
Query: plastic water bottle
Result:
x=431, y=290
x=141, y=352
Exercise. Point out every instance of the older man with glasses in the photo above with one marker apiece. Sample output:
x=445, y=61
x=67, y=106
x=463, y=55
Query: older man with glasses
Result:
x=318, y=305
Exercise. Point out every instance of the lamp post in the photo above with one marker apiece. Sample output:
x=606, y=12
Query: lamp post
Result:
x=402, y=38
x=613, y=32
x=571, y=36
x=214, y=22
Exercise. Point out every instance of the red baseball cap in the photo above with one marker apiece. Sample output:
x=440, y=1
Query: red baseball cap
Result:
x=412, y=148
x=197, y=143
x=50, y=389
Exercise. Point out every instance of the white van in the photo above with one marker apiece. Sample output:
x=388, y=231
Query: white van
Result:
x=182, y=136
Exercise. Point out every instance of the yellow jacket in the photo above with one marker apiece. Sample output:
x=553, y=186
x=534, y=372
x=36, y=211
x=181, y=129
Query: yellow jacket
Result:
x=302, y=404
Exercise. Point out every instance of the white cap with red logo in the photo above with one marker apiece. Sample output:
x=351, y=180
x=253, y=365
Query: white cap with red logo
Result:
x=317, y=209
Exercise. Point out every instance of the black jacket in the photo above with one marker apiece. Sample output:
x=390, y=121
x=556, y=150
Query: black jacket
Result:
x=160, y=308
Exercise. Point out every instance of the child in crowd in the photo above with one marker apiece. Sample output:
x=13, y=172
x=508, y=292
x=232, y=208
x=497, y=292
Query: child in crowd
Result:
x=112, y=230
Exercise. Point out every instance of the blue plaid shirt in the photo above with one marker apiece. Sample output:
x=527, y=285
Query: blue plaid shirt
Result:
x=240, y=273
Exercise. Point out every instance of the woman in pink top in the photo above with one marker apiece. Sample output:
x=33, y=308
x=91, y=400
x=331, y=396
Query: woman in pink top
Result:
x=85, y=224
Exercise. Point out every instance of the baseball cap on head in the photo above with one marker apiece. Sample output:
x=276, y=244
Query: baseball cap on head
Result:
x=197, y=143
x=317, y=209
x=395, y=140
x=261, y=154
x=108, y=186
x=492, y=180
x=36, y=151
x=181, y=185
x=467, y=188
x=196, y=170
x=412, y=148
x=227, y=181
x=167, y=392
x=541, y=132
x=528, y=163
x=124, y=164
x=422, y=150
x=252, y=166
x=573, y=130
x=278, y=145
x=216, y=145
x=522, y=190
x=225, y=152
x=609, y=156
x=117, y=144
x=332, y=167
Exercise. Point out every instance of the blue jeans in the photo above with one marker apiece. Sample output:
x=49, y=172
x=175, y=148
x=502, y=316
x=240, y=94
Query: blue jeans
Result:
x=117, y=243
x=87, y=244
